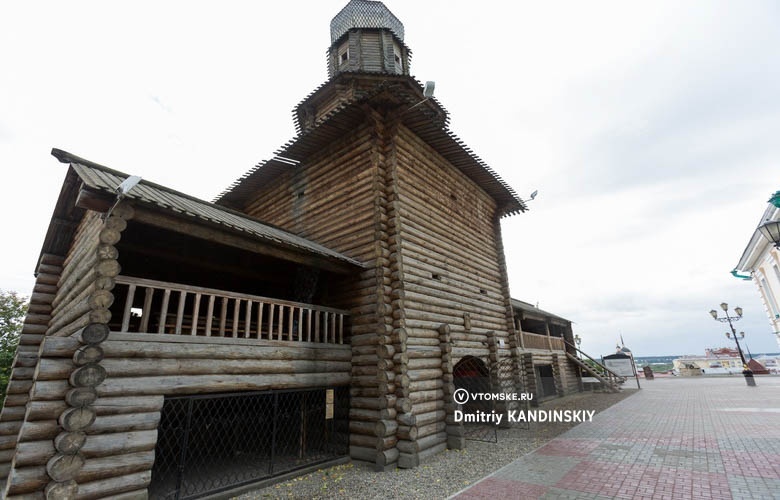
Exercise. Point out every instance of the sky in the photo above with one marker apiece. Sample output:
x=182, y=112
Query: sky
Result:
x=648, y=128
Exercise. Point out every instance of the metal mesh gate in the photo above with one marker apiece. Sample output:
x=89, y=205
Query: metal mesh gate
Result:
x=473, y=375
x=212, y=443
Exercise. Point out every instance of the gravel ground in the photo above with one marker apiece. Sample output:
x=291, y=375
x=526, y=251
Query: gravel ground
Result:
x=445, y=474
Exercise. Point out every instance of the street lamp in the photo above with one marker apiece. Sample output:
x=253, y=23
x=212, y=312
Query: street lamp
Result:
x=577, y=340
x=771, y=231
x=729, y=319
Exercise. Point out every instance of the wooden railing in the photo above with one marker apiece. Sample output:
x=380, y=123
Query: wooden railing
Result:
x=537, y=341
x=595, y=368
x=170, y=308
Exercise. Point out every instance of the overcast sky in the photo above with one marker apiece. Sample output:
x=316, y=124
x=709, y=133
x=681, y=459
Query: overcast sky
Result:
x=650, y=130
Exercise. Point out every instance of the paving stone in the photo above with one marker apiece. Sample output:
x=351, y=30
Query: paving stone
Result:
x=709, y=438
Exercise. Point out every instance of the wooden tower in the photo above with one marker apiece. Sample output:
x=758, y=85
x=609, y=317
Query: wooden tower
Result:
x=376, y=175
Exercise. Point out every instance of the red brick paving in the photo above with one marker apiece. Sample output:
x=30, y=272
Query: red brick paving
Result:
x=709, y=438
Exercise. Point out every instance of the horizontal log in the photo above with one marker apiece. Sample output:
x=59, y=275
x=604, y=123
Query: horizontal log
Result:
x=201, y=384
x=387, y=457
x=124, y=423
x=432, y=428
x=22, y=480
x=384, y=428
x=57, y=368
x=107, y=467
x=38, y=431
x=363, y=453
x=10, y=428
x=182, y=347
x=422, y=396
x=431, y=417
x=34, y=453
x=116, y=487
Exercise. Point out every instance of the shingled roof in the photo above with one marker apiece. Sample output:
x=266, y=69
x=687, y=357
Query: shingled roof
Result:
x=344, y=118
x=101, y=178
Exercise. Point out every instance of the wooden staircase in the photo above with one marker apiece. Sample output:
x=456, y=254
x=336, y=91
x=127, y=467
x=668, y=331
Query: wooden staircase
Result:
x=609, y=379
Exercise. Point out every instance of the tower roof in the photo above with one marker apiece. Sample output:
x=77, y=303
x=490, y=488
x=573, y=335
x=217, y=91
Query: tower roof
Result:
x=364, y=14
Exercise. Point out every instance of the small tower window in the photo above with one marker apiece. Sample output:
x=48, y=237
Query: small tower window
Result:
x=399, y=65
x=343, y=54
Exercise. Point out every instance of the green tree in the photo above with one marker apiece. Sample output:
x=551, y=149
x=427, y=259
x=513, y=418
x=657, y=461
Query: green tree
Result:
x=13, y=309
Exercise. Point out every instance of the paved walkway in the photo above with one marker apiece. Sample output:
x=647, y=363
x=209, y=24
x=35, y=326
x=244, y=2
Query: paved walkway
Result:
x=677, y=438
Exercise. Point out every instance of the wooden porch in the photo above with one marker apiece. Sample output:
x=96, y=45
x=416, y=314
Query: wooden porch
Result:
x=163, y=308
x=542, y=342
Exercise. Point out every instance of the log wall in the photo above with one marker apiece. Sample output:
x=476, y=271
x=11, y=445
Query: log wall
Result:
x=48, y=455
x=26, y=358
x=453, y=273
x=338, y=198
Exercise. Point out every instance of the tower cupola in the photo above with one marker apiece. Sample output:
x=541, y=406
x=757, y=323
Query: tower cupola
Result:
x=365, y=37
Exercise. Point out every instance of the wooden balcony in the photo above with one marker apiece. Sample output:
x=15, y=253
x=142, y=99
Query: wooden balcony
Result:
x=161, y=308
x=542, y=342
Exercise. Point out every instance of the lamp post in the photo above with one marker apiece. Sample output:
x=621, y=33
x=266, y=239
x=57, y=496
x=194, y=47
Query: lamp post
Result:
x=730, y=319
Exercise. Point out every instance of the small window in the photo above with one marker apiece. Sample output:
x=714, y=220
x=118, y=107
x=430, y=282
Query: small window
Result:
x=436, y=276
x=343, y=57
x=483, y=291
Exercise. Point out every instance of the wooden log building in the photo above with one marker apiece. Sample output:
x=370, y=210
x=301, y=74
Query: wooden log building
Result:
x=332, y=290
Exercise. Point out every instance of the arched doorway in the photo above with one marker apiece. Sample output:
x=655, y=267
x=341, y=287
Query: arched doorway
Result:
x=473, y=375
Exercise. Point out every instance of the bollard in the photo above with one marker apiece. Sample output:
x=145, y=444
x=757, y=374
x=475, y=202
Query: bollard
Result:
x=751, y=382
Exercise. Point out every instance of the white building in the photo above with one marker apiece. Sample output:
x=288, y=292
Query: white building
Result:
x=761, y=259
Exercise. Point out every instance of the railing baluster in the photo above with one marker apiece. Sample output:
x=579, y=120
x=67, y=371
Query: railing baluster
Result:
x=260, y=320
x=271, y=308
x=281, y=323
x=147, y=311
x=341, y=328
x=309, y=312
x=326, y=327
x=290, y=323
x=180, y=311
x=248, y=325
x=316, y=326
x=223, y=316
x=236, y=317
x=209, y=315
x=300, y=324
x=164, y=310
x=195, y=312
x=128, y=308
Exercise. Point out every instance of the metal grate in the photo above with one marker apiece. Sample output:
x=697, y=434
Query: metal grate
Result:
x=364, y=14
x=208, y=444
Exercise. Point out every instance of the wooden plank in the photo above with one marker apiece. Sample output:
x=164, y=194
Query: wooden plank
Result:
x=128, y=308
x=147, y=311
x=195, y=311
x=164, y=309
x=180, y=312
x=210, y=315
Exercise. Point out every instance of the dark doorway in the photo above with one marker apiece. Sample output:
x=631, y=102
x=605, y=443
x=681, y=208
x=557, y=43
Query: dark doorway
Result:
x=213, y=443
x=546, y=380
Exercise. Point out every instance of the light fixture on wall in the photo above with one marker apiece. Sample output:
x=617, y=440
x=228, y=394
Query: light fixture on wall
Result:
x=771, y=231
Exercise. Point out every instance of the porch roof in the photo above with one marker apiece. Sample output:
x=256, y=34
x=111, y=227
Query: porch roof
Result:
x=104, y=180
x=530, y=308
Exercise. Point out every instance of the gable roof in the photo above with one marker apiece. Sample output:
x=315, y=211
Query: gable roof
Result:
x=106, y=180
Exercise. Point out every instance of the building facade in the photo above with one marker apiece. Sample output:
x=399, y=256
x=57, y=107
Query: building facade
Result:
x=761, y=259
x=317, y=310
